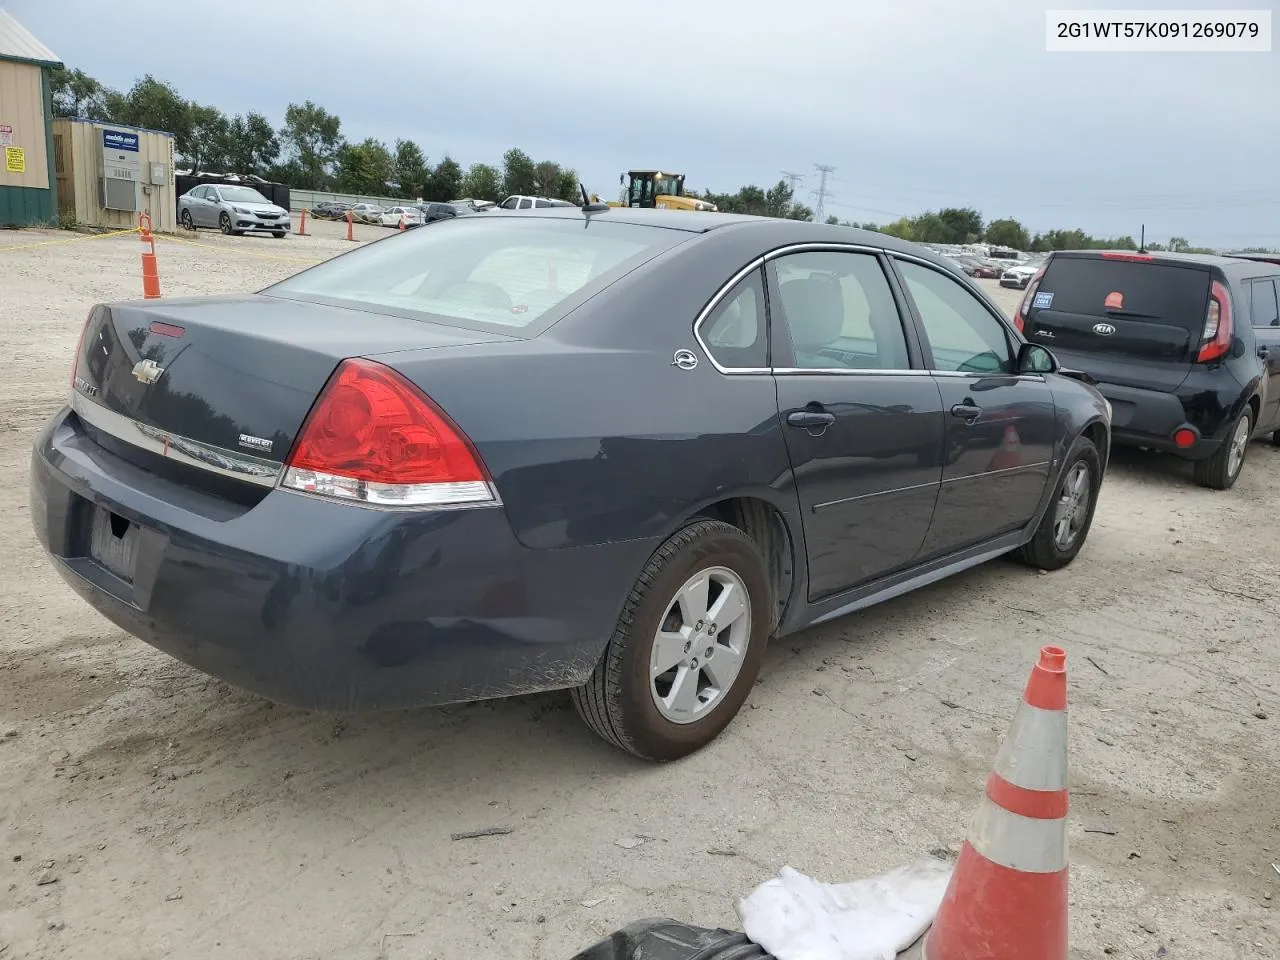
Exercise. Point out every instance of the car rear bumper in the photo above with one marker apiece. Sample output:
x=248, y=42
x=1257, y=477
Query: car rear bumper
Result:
x=329, y=606
x=1151, y=418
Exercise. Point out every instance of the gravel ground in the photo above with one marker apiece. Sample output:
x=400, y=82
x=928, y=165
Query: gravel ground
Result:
x=147, y=811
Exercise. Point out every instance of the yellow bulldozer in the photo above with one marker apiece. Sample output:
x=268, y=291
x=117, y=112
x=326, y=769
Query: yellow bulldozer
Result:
x=654, y=188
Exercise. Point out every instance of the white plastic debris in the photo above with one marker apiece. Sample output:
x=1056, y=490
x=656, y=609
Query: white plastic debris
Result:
x=795, y=917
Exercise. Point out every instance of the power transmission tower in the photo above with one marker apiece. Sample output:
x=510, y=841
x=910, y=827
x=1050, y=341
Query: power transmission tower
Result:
x=793, y=179
x=822, y=193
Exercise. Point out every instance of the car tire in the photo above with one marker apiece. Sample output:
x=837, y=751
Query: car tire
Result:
x=1275, y=439
x=621, y=700
x=1220, y=471
x=279, y=234
x=1066, y=521
x=187, y=222
x=224, y=224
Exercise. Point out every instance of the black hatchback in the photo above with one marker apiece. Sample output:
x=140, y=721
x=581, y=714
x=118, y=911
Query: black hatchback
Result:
x=1185, y=347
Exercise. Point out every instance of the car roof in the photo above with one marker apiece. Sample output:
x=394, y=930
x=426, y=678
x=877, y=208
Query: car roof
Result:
x=699, y=222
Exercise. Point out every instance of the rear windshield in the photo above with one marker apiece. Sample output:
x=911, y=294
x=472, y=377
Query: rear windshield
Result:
x=1126, y=289
x=491, y=272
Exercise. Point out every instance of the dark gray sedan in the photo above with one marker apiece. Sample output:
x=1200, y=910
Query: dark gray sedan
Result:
x=615, y=451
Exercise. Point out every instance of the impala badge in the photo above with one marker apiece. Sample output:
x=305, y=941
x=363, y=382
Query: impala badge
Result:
x=1103, y=329
x=255, y=443
x=685, y=360
x=147, y=371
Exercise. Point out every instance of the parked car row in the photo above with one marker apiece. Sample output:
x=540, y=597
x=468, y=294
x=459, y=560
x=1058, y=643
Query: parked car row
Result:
x=410, y=214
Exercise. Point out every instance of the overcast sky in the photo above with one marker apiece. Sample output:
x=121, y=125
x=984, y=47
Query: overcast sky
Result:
x=916, y=103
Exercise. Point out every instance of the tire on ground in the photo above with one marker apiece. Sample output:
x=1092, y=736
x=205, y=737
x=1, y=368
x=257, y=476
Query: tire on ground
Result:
x=1215, y=471
x=617, y=702
x=1043, y=551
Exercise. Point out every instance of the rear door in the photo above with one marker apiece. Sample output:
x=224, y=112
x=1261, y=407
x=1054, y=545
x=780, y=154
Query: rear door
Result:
x=1264, y=315
x=1000, y=427
x=863, y=423
x=1127, y=319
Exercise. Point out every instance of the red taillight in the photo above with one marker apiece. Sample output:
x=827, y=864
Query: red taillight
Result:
x=373, y=437
x=166, y=329
x=1217, y=325
x=1020, y=318
x=1136, y=257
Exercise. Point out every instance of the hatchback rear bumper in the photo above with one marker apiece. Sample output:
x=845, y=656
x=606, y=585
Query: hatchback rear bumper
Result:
x=1152, y=418
x=324, y=605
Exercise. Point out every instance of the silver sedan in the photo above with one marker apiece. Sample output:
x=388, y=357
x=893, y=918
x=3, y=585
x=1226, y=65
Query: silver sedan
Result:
x=232, y=209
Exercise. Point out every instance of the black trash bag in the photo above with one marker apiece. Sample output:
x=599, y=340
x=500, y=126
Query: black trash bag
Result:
x=672, y=940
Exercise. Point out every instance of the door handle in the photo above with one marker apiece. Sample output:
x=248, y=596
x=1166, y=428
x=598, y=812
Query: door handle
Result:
x=967, y=411
x=808, y=419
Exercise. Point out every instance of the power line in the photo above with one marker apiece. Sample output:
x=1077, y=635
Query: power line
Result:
x=822, y=193
x=793, y=179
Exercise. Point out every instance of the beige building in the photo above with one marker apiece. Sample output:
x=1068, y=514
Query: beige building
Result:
x=26, y=117
x=108, y=174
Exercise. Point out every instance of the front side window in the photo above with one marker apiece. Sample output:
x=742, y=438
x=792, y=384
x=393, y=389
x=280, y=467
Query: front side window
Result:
x=494, y=273
x=839, y=312
x=962, y=333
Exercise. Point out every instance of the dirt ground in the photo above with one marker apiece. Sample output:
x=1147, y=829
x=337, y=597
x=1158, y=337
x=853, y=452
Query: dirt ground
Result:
x=147, y=811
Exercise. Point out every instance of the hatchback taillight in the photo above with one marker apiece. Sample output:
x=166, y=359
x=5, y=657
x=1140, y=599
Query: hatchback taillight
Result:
x=1020, y=318
x=1217, y=334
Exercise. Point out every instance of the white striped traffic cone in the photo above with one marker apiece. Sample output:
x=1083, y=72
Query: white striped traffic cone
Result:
x=1007, y=899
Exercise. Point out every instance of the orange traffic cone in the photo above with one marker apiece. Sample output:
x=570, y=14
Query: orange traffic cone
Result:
x=1007, y=899
x=402, y=222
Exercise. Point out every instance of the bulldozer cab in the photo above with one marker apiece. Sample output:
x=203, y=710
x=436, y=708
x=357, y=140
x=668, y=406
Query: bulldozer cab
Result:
x=646, y=186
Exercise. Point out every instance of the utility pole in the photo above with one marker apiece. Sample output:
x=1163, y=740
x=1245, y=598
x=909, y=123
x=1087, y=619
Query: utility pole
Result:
x=822, y=193
x=793, y=179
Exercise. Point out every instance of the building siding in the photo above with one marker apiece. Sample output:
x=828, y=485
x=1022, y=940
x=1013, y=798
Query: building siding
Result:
x=22, y=107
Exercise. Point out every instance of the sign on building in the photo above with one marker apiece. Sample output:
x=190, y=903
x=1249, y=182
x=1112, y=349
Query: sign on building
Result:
x=15, y=160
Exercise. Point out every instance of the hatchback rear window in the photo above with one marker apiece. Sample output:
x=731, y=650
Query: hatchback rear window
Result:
x=490, y=272
x=1126, y=289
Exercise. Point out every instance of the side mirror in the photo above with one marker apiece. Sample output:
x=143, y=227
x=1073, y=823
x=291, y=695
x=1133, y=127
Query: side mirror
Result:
x=1033, y=358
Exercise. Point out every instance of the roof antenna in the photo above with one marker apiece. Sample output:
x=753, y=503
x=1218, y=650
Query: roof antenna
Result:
x=1142, y=243
x=589, y=206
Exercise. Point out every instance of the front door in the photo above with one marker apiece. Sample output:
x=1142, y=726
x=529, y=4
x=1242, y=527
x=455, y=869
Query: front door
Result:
x=1265, y=317
x=1001, y=427
x=864, y=430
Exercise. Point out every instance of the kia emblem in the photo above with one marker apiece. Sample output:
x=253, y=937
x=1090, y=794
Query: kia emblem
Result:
x=1103, y=329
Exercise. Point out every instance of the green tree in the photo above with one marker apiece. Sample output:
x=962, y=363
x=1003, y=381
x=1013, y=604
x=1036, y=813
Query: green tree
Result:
x=365, y=168
x=1007, y=233
x=962, y=224
x=519, y=175
x=445, y=181
x=799, y=211
x=482, y=182
x=209, y=146
x=252, y=145
x=834, y=220
x=777, y=199
x=568, y=186
x=929, y=227
x=156, y=105
x=312, y=136
x=411, y=171
x=1179, y=244
x=76, y=94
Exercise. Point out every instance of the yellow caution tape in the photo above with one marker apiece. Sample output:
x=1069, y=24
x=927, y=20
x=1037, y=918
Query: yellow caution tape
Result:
x=90, y=236
x=246, y=253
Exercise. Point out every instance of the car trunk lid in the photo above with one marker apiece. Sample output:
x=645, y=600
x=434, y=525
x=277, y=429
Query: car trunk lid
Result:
x=1129, y=319
x=211, y=392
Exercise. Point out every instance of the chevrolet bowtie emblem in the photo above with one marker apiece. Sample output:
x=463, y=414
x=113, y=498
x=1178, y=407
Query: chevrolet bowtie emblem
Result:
x=148, y=371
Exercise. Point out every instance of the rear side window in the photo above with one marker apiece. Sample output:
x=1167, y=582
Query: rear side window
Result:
x=1126, y=290
x=735, y=330
x=493, y=273
x=1265, y=312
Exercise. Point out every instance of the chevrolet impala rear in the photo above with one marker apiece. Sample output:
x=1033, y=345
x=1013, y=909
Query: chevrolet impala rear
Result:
x=295, y=490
